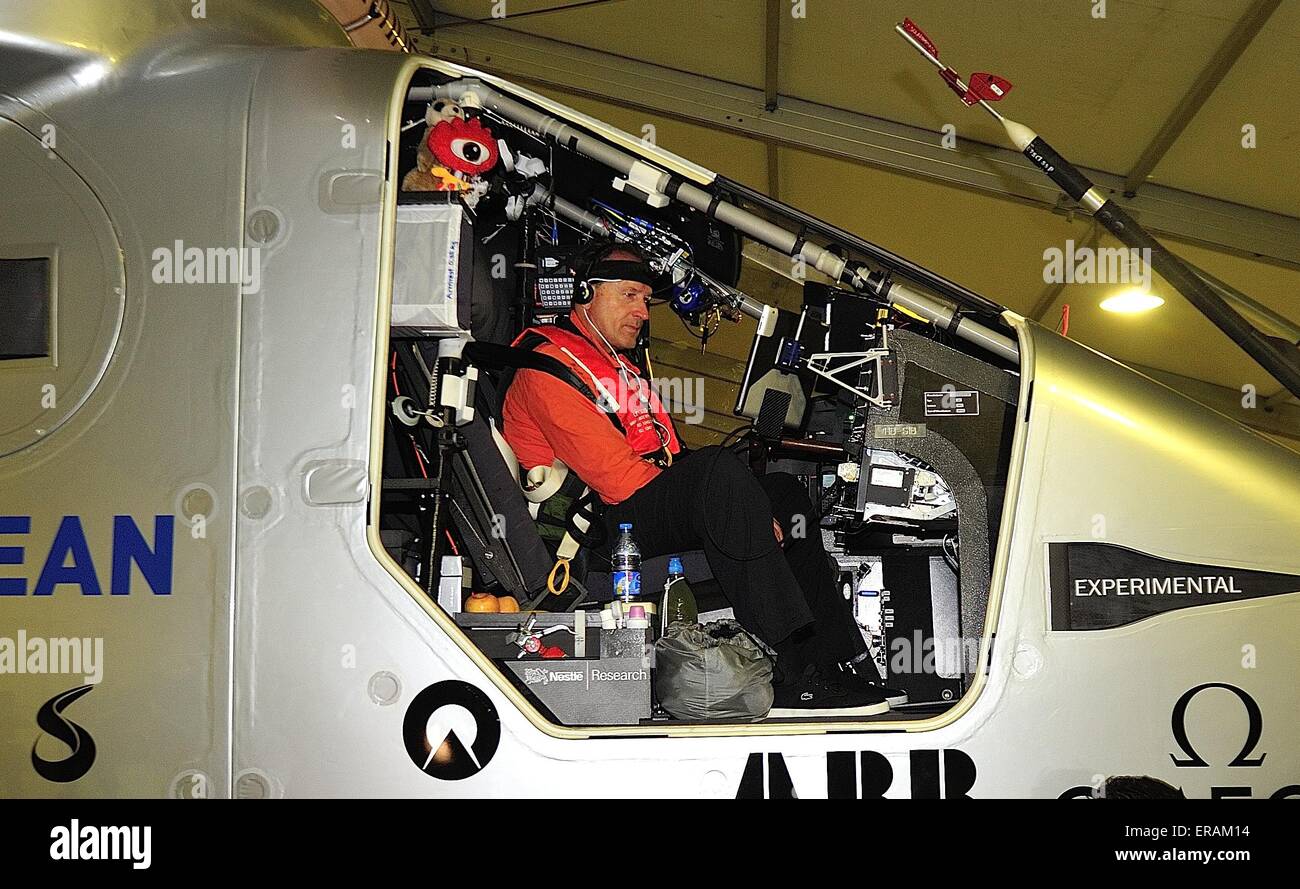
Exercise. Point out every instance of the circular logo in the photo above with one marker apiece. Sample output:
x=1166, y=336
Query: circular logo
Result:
x=451, y=730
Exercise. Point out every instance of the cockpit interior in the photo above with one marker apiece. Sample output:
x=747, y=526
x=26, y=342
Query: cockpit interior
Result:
x=889, y=393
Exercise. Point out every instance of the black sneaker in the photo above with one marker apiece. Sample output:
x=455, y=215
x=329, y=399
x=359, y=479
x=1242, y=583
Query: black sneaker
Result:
x=820, y=693
x=895, y=696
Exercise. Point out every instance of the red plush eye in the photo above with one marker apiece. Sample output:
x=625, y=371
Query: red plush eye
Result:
x=471, y=151
x=464, y=146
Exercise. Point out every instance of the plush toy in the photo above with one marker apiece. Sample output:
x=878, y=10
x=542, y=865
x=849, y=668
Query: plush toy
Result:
x=442, y=109
x=423, y=177
x=454, y=153
x=464, y=146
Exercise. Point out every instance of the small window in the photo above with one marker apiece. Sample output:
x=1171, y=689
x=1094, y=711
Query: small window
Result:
x=25, y=308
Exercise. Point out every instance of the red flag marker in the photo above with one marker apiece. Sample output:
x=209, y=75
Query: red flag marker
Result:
x=910, y=27
x=989, y=87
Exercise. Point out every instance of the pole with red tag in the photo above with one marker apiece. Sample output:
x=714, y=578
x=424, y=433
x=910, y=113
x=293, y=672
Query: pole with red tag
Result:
x=1275, y=355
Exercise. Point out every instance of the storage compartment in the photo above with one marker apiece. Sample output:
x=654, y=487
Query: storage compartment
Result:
x=432, y=268
x=580, y=673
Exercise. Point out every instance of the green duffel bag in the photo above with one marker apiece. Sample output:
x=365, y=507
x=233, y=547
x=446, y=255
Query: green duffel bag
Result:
x=714, y=671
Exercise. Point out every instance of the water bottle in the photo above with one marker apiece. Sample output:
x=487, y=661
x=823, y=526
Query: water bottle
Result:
x=626, y=559
x=679, y=601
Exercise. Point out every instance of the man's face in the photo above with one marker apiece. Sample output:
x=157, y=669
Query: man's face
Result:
x=618, y=309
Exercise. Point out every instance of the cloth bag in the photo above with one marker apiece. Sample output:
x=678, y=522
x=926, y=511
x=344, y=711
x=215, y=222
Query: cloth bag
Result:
x=712, y=671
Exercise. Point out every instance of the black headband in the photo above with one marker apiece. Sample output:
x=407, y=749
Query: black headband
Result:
x=621, y=270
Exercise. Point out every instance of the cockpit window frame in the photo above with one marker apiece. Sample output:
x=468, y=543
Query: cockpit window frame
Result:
x=447, y=625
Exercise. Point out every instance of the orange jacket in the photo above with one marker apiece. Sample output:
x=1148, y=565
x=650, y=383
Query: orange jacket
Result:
x=546, y=418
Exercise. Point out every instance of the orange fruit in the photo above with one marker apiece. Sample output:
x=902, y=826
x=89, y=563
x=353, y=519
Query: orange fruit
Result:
x=483, y=602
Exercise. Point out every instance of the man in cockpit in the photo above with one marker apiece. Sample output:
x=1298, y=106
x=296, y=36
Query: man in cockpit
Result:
x=760, y=535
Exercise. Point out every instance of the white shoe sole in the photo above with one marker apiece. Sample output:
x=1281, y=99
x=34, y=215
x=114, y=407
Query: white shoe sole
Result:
x=897, y=700
x=802, y=712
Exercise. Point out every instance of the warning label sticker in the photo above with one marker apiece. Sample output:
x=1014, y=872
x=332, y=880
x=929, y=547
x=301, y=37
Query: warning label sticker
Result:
x=952, y=403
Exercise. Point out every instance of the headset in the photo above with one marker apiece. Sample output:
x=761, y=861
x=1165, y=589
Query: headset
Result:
x=592, y=263
x=581, y=264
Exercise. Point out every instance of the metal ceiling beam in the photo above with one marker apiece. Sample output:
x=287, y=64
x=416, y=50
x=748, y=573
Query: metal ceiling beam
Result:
x=419, y=17
x=1206, y=82
x=772, y=55
x=773, y=171
x=424, y=13
x=850, y=136
x=771, y=88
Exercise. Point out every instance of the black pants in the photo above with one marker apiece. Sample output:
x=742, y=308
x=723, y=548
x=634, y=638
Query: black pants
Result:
x=783, y=593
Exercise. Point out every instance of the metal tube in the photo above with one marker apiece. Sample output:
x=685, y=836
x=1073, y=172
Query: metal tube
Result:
x=578, y=216
x=1280, y=323
x=995, y=342
x=474, y=92
x=752, y=307
x=761, y=230
x=812, y=447
x=594, y=224
x=929, y=308
x=465, y=91
x=945, y=317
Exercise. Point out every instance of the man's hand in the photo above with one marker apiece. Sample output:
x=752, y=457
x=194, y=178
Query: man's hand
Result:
x=776, y=528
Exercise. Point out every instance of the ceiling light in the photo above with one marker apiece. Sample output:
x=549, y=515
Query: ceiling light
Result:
x=1131, y=302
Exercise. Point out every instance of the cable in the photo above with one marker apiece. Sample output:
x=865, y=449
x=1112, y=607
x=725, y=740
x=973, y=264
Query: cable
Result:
x=419, y=458
x=667, y=437
x=744, y=430
x=500, y=22
x=688, y=328
x=951, y=559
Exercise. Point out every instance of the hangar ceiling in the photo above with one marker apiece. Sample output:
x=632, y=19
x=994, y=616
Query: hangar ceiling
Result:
x=853, y=123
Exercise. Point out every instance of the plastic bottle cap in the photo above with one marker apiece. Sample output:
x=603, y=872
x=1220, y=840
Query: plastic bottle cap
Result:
x=675, y=566
x=625, y=526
